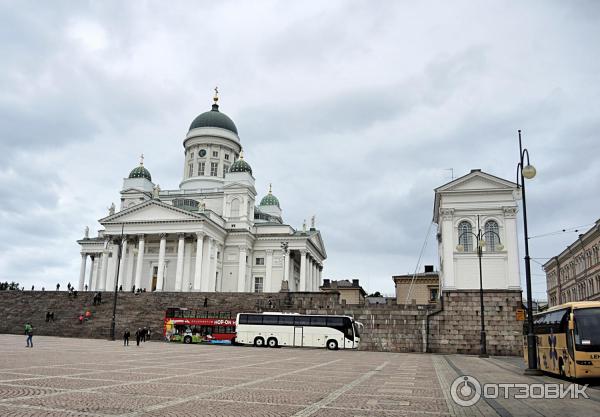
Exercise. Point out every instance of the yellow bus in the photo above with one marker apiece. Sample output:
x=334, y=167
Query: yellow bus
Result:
x=568, y=339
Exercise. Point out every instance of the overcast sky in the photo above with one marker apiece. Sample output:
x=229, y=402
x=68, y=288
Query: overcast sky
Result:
x=354, y=110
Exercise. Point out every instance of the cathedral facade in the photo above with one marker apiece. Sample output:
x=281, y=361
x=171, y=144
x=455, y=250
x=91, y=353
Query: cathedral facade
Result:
x=209, y=235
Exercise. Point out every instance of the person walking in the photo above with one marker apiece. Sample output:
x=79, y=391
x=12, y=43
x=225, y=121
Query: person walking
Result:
x=57, y=287
x=126, y=337
x=29, y=333
x=138, y=335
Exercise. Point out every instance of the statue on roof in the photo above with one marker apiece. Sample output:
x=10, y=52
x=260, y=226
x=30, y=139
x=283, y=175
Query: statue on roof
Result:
x=156, y=192
x=111, y=209
x=86, y=233
x=312, y=222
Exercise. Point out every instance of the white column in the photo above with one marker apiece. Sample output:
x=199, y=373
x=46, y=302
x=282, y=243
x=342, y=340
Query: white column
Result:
x=187, y=282
x=91, y=277
x=161, y=262
x=140, y=262
x=104, y=270
x=198, y=269
x=129, y=274
x=212, y=269
x=242, y=270
x=179, y=270
x=219, y=271
x=122, y=263
x=268, y=271
x=511, y=246
x=82, y=271
x=302, y=270
x=448, y=244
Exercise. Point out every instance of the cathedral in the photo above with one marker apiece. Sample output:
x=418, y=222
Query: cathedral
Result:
x=209, y=235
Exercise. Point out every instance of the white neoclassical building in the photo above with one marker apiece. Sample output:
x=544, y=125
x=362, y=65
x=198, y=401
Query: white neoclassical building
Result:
x=462, y=207
x=208, y=235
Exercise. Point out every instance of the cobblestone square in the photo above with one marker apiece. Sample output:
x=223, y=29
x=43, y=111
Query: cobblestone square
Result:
x=87, y=377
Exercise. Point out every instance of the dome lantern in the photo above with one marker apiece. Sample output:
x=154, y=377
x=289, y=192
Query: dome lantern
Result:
x=240, y=165
x=140, y=171
x=269, y=199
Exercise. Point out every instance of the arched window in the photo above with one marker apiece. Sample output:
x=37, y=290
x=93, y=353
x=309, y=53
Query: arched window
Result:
x=491, y=235
x=465, y=237
x=235, y=208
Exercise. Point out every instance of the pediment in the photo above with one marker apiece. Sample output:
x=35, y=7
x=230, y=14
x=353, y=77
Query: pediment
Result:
x=151, y=210
x=477, y=181
x=316, y=240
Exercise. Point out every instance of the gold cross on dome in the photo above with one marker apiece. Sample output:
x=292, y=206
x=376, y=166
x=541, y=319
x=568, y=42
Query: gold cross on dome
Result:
x=216, y=96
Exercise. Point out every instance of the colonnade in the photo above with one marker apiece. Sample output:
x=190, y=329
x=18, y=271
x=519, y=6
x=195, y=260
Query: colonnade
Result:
x=203, y=276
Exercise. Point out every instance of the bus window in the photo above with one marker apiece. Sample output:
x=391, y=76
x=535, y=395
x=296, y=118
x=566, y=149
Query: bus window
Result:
x=587, y=329
x=270, y=319
x=348, y=330
x=243, y=319
x=301, y=321
x=255, y=319
x=335, y=321
x=318, y=321
x=286, y=320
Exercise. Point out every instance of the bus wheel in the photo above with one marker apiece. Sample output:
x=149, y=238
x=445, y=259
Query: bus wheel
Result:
x=259, y=342
x=272, y=342
x=332, y=345
x=187, y=340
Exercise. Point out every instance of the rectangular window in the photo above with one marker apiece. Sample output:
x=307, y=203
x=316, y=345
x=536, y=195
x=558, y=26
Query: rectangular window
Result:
x=201, y=166
x=433, y=294
x=301, y=321
x=258, y=284
x=286, y=320
x=225, y=170
x=214, y=166
x=318, y=321
x=270, y=319
x=260, y=261
x=190, y=170
x=215, y=154
x=243, y=319
x=227, y=157
x=255, y=319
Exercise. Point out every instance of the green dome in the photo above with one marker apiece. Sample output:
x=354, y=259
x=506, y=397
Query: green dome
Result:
x=269, y=199
x=241, y=166
x=214, y=118
x=140, y=172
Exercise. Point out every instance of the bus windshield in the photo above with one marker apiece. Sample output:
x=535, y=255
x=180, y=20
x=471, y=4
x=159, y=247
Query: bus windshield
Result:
x=356, y=332
x=587, y=329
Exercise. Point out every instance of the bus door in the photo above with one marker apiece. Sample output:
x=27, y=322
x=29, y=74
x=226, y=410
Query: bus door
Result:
x=298, y=335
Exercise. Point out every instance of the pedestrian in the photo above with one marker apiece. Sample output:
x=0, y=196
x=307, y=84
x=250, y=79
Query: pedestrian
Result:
x=144, y=335
x=69, y=286
x=47, y=316
x=99, y=298
x=126, y=337
x=138, y=336
x=57, y=287
x=52, y=315
x=29, y=333
x=43, y=289
x=120, y=288
x=88, y=314
x=133, y=289
x=81, y=319
x=32, y=287
x=205, y=301
x=148, y=334
x=85, y=286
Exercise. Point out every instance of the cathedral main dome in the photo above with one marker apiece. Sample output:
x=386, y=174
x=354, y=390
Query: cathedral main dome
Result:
x=214, y=118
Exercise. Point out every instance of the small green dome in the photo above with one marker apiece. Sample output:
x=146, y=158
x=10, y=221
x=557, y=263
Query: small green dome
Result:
x=269, y=199
x=214, y=118
x=140, y=172
x=240, y=165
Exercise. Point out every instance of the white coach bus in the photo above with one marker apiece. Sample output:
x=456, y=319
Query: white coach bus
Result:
x=285, y=329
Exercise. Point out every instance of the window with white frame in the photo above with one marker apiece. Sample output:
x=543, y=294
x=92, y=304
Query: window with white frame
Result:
x=465, y=237
x=227, y=157
x=225, y=169
x=258, y=284
x=201, y=166
x=260, y=261
x=190, y=170
x=491, y=235
x=214, y=166
x=215, y=154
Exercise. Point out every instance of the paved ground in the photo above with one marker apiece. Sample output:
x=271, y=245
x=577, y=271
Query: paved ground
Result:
x=82, y=377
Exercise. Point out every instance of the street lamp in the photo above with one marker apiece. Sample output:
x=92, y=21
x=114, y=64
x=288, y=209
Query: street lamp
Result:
x=527, y=171
x=480, y=236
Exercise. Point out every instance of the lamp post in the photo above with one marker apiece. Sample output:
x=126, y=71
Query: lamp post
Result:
x=527, y=171
x=114, y=312
x=480, y=236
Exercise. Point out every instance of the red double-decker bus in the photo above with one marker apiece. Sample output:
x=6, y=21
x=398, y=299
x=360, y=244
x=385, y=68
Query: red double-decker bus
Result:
x=188, y=325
